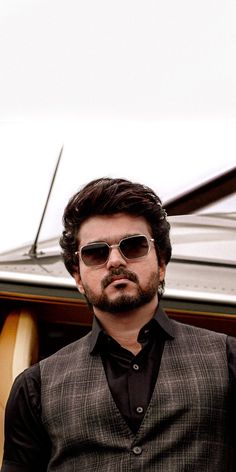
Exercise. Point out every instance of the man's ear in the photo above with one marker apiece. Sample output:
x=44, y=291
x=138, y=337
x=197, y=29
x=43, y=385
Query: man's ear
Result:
x=162, y=271
x=78, y=281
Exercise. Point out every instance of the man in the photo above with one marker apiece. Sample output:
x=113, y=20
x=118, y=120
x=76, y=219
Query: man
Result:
x=140, y=392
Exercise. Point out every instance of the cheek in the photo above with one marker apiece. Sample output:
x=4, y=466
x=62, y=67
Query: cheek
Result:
x=90, y=279
x=144, y=270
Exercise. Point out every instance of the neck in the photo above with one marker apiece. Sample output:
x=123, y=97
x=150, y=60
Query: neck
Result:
x=124, y=327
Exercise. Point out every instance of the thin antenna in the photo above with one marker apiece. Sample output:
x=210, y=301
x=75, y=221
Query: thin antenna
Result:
x=33, y=250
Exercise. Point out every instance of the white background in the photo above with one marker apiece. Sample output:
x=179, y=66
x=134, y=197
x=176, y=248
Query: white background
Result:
x=138, y=89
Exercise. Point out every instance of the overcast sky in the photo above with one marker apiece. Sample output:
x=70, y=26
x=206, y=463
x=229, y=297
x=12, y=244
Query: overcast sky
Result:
x=142, y=89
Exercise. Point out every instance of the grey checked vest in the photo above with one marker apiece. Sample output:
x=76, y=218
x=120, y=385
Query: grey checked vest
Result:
x=187, y=426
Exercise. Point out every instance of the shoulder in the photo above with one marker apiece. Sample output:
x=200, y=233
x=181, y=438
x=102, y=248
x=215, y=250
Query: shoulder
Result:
x=231, y=353
x=27, y=381
x=193, y=337
x=25, y=392
x=182, y=328
x=214, y=350
x=71, y=354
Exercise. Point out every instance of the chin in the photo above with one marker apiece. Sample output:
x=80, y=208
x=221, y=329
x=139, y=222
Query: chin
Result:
x=122, y=303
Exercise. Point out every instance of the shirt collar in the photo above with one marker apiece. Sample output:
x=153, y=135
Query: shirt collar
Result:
x=160, y=317
x=164, y=322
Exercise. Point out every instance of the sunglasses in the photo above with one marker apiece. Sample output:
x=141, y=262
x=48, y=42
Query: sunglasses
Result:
x=132, y=247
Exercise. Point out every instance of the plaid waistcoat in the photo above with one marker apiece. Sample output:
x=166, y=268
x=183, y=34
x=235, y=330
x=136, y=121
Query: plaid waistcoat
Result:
x=187, y=426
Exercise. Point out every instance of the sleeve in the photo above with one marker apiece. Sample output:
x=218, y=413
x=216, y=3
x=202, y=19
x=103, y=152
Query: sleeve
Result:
x=231, y=354
x=27, y=446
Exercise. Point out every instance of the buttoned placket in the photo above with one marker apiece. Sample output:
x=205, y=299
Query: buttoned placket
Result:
x=133, y=388
x=134, y=382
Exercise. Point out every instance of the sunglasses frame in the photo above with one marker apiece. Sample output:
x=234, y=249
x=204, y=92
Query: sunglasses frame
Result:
x=117, y=246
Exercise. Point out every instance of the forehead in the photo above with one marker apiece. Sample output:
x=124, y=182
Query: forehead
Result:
x=112, y=228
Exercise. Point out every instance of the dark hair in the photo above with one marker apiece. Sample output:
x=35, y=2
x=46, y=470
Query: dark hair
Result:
x=107, y=196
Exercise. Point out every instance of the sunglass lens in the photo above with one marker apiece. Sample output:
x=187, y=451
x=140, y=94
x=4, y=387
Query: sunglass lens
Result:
x=95, y=254
x=134, y=247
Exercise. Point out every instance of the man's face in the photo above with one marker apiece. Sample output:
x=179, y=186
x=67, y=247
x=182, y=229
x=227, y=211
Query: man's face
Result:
x=118, y=285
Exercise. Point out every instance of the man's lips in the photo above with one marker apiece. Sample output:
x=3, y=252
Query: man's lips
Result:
x=119, y=279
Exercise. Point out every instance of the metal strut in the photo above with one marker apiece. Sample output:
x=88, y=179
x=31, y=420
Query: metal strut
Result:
x=33, y=250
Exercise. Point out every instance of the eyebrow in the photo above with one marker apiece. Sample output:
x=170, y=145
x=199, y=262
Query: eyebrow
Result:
x=118, y=239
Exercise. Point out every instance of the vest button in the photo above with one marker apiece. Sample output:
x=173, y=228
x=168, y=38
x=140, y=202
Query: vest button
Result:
x=139, y=409
x=135, y=366
x=137, y=450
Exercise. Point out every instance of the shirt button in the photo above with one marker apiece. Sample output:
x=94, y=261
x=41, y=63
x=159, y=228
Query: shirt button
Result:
x=139, y=409
x=135, y=366
x=137, y=450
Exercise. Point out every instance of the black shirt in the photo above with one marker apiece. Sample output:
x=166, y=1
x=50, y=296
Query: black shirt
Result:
x=131, y=380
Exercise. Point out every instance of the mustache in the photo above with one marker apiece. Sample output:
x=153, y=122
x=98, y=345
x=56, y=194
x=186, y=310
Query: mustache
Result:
x=117, y=272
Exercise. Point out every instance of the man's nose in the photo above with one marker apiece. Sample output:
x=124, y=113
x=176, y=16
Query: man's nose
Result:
x=115, y=258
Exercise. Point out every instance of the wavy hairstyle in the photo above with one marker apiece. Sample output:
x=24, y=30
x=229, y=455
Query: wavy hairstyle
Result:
x=107, y=196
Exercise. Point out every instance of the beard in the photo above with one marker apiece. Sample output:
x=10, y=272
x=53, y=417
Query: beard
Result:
x=123, y=302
